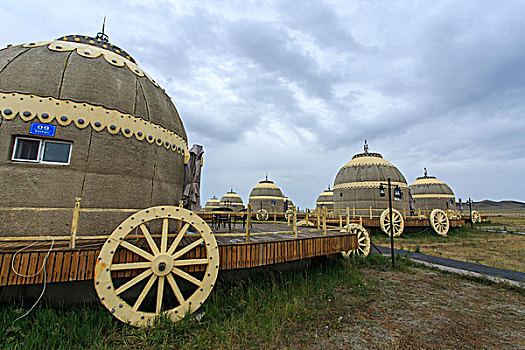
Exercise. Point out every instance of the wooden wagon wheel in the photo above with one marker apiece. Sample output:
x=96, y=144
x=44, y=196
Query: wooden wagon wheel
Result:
x=439, y=222
x=363, y=240
x=262, y=215
x=398, y=222
x=475, y=217
x=181, y=234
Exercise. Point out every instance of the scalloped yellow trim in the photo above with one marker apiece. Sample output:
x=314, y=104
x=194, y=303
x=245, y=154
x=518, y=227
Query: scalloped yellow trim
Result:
x=64, y=112
x=89, y=51
x=367, y=184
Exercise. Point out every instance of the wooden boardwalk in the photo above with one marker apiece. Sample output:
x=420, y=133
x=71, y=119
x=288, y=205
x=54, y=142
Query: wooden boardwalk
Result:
x=63, y=264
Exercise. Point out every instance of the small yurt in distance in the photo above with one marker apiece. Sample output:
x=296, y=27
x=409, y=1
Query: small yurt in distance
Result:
x=212, y=204
x=266, y=195
x=430, y=193
x=357, y=184
x=232, y=200
x=325, y=199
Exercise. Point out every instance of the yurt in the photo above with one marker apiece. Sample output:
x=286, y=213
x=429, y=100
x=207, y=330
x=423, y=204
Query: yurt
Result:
x=232, y=200
x=430, y=193
x=212, y=204
x=360, y=183
x=266, y=195
x=325, y=199
x=80, y=119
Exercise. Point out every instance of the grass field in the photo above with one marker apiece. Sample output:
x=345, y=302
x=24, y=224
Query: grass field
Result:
x=334, y=305
x=507, y=222
x=501, y=250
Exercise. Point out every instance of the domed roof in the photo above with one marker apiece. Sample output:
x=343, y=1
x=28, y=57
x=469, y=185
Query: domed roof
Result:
x=212, y=203
x=357, y=183
x=429, y=186
x=327, y=197
x=231, y=198
x=266, y=188
x=83, y=69
x=367, y=170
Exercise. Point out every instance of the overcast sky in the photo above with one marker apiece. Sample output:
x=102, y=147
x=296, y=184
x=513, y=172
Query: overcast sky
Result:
x=293, y=88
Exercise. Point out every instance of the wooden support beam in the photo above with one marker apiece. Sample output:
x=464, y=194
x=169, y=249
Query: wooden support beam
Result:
x=74, y=223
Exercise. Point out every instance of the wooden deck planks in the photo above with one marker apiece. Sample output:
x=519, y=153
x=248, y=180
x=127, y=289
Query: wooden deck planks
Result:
x=65, y=265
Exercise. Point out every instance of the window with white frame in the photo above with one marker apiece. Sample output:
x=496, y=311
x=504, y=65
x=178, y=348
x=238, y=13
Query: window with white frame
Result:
x=41, y=151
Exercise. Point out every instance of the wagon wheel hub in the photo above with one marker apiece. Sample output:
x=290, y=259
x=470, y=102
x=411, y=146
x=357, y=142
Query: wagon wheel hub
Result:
x=162, y=264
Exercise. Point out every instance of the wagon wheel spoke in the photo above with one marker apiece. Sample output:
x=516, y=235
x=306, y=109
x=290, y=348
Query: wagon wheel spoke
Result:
x=137, y=250
x=177, y=240
x=130, y=266
x=164, y=236
x=175, y=289
x=160, y=294
x=150, y=240
x=187, y=262
x=186, y=276
x=144, y=292
x=133, y=282
x=187, y=248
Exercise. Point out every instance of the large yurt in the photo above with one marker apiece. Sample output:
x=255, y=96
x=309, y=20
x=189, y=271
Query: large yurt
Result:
x=80, y=119
x=213, y=203
x=266, y=195
x=358, y=183
x=430, y=193
x=232, y=200
x=325, y=200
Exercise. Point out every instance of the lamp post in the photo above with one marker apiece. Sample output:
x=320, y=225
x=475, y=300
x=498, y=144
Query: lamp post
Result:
x=397, y=195
x=470, y=208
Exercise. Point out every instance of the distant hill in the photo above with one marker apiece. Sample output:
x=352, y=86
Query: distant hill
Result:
x=488, y=205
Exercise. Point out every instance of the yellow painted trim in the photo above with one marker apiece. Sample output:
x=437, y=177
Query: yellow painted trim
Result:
x=233, y=195
x=430, y=195
x=367, y=161
x=266, y=185
x=321, y=203
x=427, y=182
x=367, y=184
x=265, y=197
x=48, y=110
x=89, y=51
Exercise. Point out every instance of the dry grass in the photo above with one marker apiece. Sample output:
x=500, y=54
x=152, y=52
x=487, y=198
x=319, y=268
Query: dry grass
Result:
x=507, y=222
x=506, y=251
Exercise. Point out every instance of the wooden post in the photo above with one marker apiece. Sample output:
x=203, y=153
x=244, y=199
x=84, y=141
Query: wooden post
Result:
x=248, y=220
x=318, y=220
x=404, y=213
x=274, y=217
x=74, y=223
x=370, y=212
x=340, y=221
x=361, y=220
x=306, y=218
x=347, y=216
x=353, y=212
x=324, y=221
x=295, y=223
x=289, y=217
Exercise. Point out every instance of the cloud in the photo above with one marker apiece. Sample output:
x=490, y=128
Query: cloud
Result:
x=293, y=88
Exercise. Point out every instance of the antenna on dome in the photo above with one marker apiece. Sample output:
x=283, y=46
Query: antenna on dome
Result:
x=102, y=36
x=266, y=176
x=425, y=172
x=366, y=147
x=328, y=187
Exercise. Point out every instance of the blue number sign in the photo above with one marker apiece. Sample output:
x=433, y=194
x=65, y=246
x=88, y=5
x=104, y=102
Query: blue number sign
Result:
x=42, y=129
